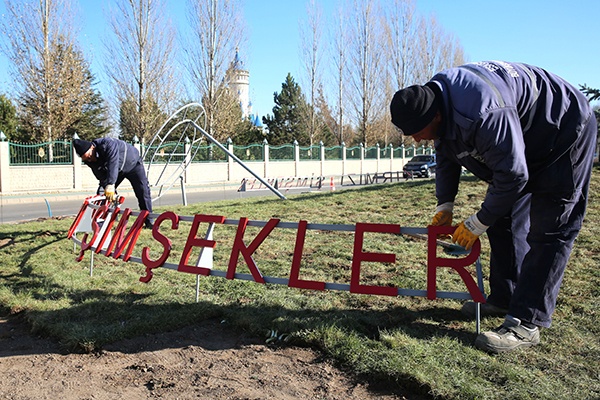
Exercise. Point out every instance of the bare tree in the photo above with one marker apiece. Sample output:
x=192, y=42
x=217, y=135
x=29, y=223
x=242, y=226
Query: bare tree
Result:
x=139, y=64
x=311, y=55
x=438, y=50
x=339, y=58
x=402, y=40
x=50, y=73
x=366, y=70
x=217, y=31
x=418, y=48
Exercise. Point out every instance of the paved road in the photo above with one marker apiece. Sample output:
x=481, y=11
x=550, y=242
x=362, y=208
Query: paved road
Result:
x=43, y=206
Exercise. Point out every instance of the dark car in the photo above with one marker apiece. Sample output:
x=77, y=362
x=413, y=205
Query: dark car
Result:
x=423, y=165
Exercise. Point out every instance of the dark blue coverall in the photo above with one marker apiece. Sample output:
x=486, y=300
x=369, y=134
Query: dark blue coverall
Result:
x=532, y=137
x=118, y=160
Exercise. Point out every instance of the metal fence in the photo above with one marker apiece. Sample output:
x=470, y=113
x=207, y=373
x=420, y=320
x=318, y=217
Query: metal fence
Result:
x=56, y=152
x=281, y=153
x=59, y=152
x=371, y=152
x=164, y=153
x=310, y=152
x=353, y=153
x=253, y=152
x=334, y=153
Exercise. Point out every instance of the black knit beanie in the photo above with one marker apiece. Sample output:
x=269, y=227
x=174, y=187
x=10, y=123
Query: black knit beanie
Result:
x=81, y=146
x=412, y=108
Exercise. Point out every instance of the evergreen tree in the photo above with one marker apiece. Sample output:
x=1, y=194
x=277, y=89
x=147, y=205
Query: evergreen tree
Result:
x=325, y=122
x=8, y=117
x=592, y=94
x=288, y=122
x=50, y=115
x=93, y=120
x=247, y=133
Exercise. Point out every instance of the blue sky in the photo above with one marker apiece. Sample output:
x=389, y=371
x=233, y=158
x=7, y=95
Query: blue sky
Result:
x=555, y=34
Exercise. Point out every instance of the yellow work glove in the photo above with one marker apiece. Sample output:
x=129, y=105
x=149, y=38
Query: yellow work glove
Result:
x=468, y=232
x=109, y=192
x=443, y=217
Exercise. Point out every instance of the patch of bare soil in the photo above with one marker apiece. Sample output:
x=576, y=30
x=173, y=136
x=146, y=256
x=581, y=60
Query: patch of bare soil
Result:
x=207, y=361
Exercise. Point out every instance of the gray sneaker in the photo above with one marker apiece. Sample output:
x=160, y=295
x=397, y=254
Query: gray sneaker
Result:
x=486, y=310
x=510, y=336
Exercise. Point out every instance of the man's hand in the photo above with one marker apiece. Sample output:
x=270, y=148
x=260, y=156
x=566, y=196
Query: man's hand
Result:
x=443, y=217
x=109, y=192
x=468, y=232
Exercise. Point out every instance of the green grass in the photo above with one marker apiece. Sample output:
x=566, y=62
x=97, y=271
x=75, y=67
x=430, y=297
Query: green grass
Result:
x=407, y=342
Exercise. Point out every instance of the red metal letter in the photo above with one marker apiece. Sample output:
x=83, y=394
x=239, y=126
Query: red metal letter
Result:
x=77, y=219
x=106, y=234
x=240, y=247
x=294, y=281
x=193, y=241
x=131, y=237
x=359, y=256
x=162, y=239
x=459, y=264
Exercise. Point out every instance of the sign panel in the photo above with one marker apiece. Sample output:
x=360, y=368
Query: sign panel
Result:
x=108, y=231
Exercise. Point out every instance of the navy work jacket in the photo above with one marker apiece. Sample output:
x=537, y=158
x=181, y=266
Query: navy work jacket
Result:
x=113, y=156
x=504, y=122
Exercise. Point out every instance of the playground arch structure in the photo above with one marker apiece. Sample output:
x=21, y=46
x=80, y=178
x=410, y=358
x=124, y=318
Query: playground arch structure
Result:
x=104, y=229
x=185, y=128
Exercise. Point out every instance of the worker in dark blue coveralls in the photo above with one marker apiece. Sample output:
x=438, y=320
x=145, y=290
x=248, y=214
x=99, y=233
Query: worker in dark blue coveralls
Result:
x=113, y=160
x=532, y=137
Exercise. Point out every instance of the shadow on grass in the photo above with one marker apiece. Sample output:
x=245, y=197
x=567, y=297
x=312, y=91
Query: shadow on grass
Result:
x=101, y=319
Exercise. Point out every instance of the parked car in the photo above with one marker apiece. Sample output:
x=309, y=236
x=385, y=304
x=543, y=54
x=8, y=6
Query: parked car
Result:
x=423, y=166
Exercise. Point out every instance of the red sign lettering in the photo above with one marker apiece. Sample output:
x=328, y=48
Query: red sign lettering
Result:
x=162, y=239
x=123, y=244
x=360, y=256
x=294, y=280
x=194, y=241
x=458, y=264
x=240, y=247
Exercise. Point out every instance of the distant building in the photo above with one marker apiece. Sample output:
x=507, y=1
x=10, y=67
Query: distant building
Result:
x=240, y=85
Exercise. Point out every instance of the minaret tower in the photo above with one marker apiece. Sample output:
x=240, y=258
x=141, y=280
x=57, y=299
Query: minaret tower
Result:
x=240, y=84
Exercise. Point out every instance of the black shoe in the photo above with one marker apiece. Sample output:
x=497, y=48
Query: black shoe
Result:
x=148, y=224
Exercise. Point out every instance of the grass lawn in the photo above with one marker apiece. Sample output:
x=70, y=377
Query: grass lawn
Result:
x=411, y=342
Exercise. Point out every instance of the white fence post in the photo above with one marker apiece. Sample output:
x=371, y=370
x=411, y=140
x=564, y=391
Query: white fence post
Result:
x=378, y=157
x=343, y=158
x=4, y=164
x=266, y=158
x=322, y=156
x=296, y=158
x=362, y=159
x=230, y=160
